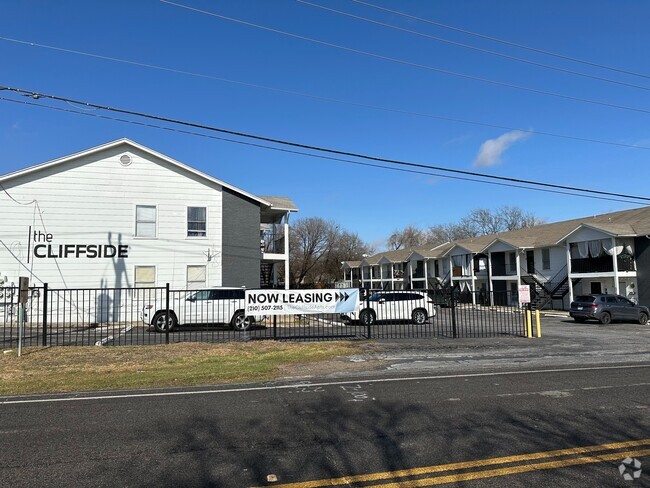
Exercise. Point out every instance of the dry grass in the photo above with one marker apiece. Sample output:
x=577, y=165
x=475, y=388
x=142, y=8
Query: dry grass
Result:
x=64, y=369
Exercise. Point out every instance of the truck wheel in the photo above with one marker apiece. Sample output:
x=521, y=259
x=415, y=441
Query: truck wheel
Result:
x=367, y=317
x=159, y=321
x=240, y=321
x=419, y=316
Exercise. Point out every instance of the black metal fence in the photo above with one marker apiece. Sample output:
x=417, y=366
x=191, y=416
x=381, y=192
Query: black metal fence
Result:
x=143, y=316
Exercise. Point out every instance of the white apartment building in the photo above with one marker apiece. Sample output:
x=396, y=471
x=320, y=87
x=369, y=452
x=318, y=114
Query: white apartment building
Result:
x=122, y=215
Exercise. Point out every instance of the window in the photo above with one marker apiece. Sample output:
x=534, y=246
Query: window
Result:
x=546, y=258
x=145, y=221
x=196, y=277
x=202, y=295
x=145, y=276
x=196, y=223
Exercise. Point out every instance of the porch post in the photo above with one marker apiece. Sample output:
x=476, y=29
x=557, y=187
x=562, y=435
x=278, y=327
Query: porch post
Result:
x=490, y=286
x=451, y=272
x=518, y=265
x=615, y=263
x=568, y=271
x=286, y=253
x=471, y=256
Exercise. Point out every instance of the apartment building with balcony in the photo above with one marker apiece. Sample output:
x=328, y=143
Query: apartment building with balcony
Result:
x=608, y=253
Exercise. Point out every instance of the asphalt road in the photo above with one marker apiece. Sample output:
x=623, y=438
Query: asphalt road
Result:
x=365, y=432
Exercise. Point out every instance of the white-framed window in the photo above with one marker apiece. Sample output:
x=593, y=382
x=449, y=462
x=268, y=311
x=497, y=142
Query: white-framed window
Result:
x=145, y=276
x=145, y=220
x=546, y=258
x=196, y=277
x=197, y=225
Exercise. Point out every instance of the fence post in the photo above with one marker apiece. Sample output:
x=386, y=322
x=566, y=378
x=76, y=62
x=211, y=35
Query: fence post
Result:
x=368, y=327
x=167, y=313
x=275, y=327
x=44, y=314
x=453, y=313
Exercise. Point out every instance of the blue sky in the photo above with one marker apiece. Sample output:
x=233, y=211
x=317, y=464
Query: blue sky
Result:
x=372, y=202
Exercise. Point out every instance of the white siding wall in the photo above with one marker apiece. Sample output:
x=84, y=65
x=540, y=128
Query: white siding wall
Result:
x=586, y=234
x=93, y=201
x=500, y=247
x=558, y=261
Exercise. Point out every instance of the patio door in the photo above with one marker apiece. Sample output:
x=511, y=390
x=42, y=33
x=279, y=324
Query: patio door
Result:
x=530, y=262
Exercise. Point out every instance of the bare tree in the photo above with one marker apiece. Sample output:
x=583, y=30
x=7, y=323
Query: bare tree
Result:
x=410, y=236
x=317, y=248
x=478, y=222
x=347, y=246
x=309, y=241
x=514, y=218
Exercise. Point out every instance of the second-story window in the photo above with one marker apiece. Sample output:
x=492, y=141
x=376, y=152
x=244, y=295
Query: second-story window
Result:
x=196, y=222
x=145, y=221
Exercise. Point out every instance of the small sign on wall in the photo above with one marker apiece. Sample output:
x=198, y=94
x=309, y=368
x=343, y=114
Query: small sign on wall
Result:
x=524, y=294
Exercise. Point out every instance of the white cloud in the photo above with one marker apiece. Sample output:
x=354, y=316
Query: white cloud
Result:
x=491, y=150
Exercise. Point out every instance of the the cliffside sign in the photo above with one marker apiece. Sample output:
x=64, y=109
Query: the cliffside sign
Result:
x=292, y=302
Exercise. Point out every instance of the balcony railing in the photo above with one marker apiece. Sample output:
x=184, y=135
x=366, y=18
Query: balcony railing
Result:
x=508, y=269
x=602, y=264
x=272, y=239
x=625, y=262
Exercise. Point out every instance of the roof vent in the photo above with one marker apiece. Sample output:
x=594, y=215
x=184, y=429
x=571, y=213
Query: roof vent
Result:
x=125, y=160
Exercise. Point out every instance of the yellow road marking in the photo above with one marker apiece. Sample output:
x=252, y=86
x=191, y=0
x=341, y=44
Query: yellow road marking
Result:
x=465, y=465
x=525, y=468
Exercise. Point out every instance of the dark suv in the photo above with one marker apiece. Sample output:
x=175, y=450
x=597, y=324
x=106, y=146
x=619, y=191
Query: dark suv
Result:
x=606, y=308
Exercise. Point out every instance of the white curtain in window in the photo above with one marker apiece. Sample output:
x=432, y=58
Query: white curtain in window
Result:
x=583, y=249
x=457, y=260
x=595, y=248
x=467, y=264
x=612, y=250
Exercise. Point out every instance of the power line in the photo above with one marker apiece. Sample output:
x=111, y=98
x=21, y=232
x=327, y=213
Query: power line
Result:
x=474, y=48
x=503, y=41
x=36, y=95
x=311, y=155
x=323, y=98
x=12, y=198
x=413, y=64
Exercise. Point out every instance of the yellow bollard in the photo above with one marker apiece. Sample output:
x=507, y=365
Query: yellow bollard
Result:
x=529, y=325
x=538, y=325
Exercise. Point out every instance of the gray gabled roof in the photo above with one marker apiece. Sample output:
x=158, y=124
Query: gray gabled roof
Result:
x=281, y=203
x=127, y=142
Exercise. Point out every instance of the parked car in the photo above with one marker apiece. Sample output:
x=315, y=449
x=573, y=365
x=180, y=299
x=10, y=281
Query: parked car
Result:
x=415, y=306
x=213, y=306
x=606, y=308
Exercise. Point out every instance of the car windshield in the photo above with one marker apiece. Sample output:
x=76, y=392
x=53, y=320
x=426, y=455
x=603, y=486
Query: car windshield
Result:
x=375, y=297
x=585, y=298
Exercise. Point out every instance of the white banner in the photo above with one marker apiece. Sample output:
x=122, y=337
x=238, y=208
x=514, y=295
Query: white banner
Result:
x=293, y=302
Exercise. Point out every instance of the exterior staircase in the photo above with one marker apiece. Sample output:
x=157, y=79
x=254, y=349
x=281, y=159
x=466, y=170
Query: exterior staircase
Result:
x=266, y=275
x=542, y=293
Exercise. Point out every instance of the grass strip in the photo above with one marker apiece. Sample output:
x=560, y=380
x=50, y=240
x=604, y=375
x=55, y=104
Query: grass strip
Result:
x=66, y=369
